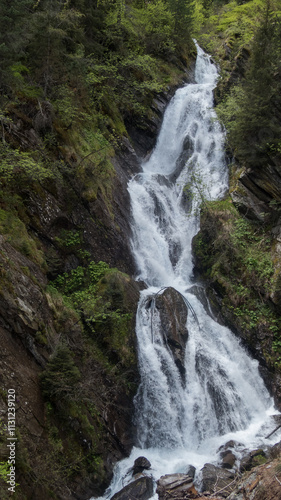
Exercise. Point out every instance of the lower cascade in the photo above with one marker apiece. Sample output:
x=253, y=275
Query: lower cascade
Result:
x=199, y=390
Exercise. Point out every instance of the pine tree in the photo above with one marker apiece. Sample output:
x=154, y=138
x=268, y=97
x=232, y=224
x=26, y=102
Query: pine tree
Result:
x=183, y=11
x=55, y=36
x=252, y=112
x=13, y=33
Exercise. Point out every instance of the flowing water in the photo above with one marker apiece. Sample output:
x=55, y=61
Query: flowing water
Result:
x=181, y=422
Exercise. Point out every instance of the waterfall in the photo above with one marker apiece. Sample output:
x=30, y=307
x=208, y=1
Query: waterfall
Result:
x=222, y=397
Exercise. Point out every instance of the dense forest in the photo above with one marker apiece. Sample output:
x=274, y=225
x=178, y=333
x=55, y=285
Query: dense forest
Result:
x=80, y=87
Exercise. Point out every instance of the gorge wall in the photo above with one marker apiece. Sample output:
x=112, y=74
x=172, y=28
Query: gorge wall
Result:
x=74, y=370
x=238, y=247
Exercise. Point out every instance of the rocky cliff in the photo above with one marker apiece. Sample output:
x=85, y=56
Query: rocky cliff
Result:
x=68, y=343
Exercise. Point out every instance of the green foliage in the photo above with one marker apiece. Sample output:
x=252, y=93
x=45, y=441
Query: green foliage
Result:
x=61, y=376
x=249, y=111
x=65, y=105
x=157, y=25
x=183, y=11
x=18, y=166
x=229, y=26
x=69, y=240
x=235, y=256
x=80, y=283
x=128, y=80
x=97, y=292
x=4, y=470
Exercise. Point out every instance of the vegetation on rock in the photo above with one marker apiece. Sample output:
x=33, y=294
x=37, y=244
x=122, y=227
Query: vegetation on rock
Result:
x=75, y=76
x=237, y=248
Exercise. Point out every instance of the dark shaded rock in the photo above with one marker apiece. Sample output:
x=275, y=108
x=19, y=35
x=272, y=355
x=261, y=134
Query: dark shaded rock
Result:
x=187, y=150
x=175, y=486
x=173, y=316
x=228, y=459
x=141, y=489
x=140, y=464
x=230, y=444
x=200, y=293
x=191, y=471
x=250, y=202
x=215, y=479
x=44, y=118
x=275, y=451
x=143, y=133
x=252, y=459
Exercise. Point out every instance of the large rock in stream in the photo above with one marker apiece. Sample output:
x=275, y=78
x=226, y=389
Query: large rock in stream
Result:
x=140, y=489
x=173, y=316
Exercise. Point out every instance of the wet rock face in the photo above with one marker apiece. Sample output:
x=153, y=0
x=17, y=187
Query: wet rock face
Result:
x=143, y=134
x=258, y=186
x=141, y=489
x=141, y=464
x=173, y=316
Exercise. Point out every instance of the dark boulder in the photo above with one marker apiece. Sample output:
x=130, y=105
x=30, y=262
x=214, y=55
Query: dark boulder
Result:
x=228, y=459
x=141, y=489
x=173, y=315
x=140, y=464
x=191, y=471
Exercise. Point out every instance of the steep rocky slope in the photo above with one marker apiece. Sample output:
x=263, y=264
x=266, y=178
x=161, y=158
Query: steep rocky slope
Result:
x=72, y=365
x=237, y=250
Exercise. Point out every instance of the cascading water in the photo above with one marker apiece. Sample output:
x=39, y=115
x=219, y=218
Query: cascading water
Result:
x=181, y=422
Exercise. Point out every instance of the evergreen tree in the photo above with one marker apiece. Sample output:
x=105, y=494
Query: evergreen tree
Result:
x=252, y=111
x=61, y=375
x=55, y=40
x=183, y=12
x=13, y=33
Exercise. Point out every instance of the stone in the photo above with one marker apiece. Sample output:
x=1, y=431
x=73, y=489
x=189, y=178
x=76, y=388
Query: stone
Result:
x=230, y=444
x=228, y=459
x=140, y=464
x=251, y=459
x=173, y=316
x=141, y=489
x=275, y=450
x=191, y=470
x=216, y=480
x=175, y=486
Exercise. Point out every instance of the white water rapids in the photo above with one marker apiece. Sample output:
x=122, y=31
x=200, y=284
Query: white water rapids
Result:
x=223, y=396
